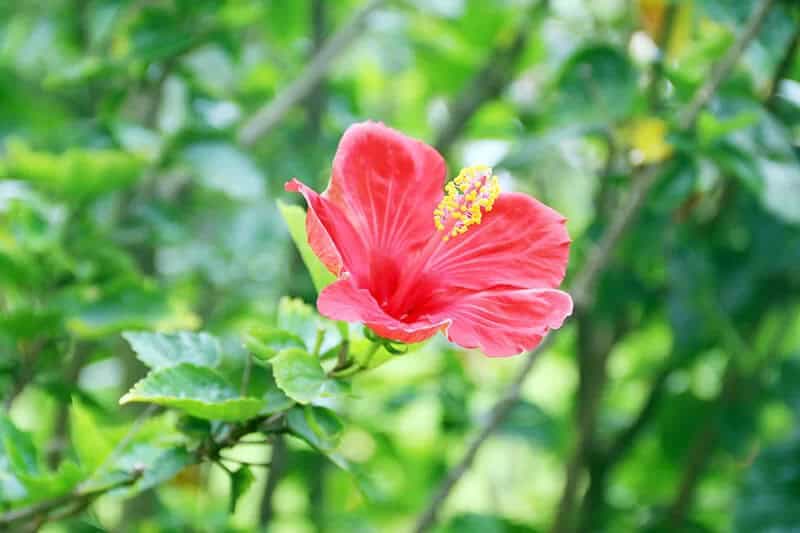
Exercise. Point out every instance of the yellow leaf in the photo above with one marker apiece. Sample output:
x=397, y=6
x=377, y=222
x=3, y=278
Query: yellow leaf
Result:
x=647, y=136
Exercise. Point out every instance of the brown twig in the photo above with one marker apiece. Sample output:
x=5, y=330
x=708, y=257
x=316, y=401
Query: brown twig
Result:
x=79, y=357
x=496, y=415
x=61, y=507
x=595, y=342
x=271, y=114
x=488, y=83
x=664, y=41
x=278, y=458
x=722, y=69
x=588, y=276
x=26, y=373
x=701, y=450
x=706, y=440
x=33, y=516
x=315, y=106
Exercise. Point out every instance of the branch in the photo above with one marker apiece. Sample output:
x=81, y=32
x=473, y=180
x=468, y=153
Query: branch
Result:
x=488, y=83
x=493, y=420
x=594, y=348
x=664, y=41
x=705, y=441
x=73, y=502
x=278, y=459
x=601, y=463
x=270, y=115
x=316, y=100
x=79, y=499
x=599, y=258
x=25, y=373
x=588, y=276
x=722, y=69
x=701, y=450
x=80, y=356
x=627, y=436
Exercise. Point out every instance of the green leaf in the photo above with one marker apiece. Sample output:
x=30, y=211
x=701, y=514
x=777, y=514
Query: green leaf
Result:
x=157, y=465
x=768, y=497
x=597, y=84
x=17, y=457
x=196, y=390
x=529, y=422
x=300, y=375
x=319, y=427
x=299, y=318
x=295, y=218
x=17, y=448
x=241, y=480
x=275, y=399
x=265, y=342
x=223, y=167
x=122, y=307
x=48, y=485
x=479, y=523
x=161, y=350
x=91, y=441
x=711, y=128
x=77, y=174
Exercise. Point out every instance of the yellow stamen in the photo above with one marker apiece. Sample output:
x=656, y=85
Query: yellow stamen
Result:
x=468, y=197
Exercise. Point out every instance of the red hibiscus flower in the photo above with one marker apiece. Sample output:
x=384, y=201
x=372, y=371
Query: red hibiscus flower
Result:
x=414, y=257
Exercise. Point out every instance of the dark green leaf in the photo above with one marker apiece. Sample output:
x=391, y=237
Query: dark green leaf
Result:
x=196, y=390
x=161, y=350
x=319, y=427
x=597, y=84
x=241, y=480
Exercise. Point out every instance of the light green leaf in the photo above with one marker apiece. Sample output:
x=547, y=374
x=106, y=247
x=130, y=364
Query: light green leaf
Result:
x=48, y=485
x=161, y=350
x=300, y=375
x=76, y=174
x=223, y=167
x=265, y=342
x=163, y=468
x=153, y=465
x=275, y=399
x=299, y=318
x=92, y=443
x=122, y=307
x=198, y=391
x=295, y=218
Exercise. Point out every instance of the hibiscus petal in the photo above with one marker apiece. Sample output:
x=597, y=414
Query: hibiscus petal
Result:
x=520, y=243
x=342, y=300
x=330, y=234
x=388, y=184
x=505, y=322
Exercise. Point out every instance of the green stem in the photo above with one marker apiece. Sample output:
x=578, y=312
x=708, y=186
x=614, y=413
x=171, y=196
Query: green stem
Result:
x=370, y=354
x=353, y=368
x=318, y=341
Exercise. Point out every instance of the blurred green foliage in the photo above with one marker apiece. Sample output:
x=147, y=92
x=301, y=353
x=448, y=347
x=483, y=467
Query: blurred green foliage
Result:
x=143, y=256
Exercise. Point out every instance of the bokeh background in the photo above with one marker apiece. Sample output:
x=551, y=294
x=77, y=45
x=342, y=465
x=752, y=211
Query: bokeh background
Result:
x=138, y=187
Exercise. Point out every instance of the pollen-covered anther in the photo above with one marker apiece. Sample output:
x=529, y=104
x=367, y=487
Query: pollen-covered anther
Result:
x=468, y=197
